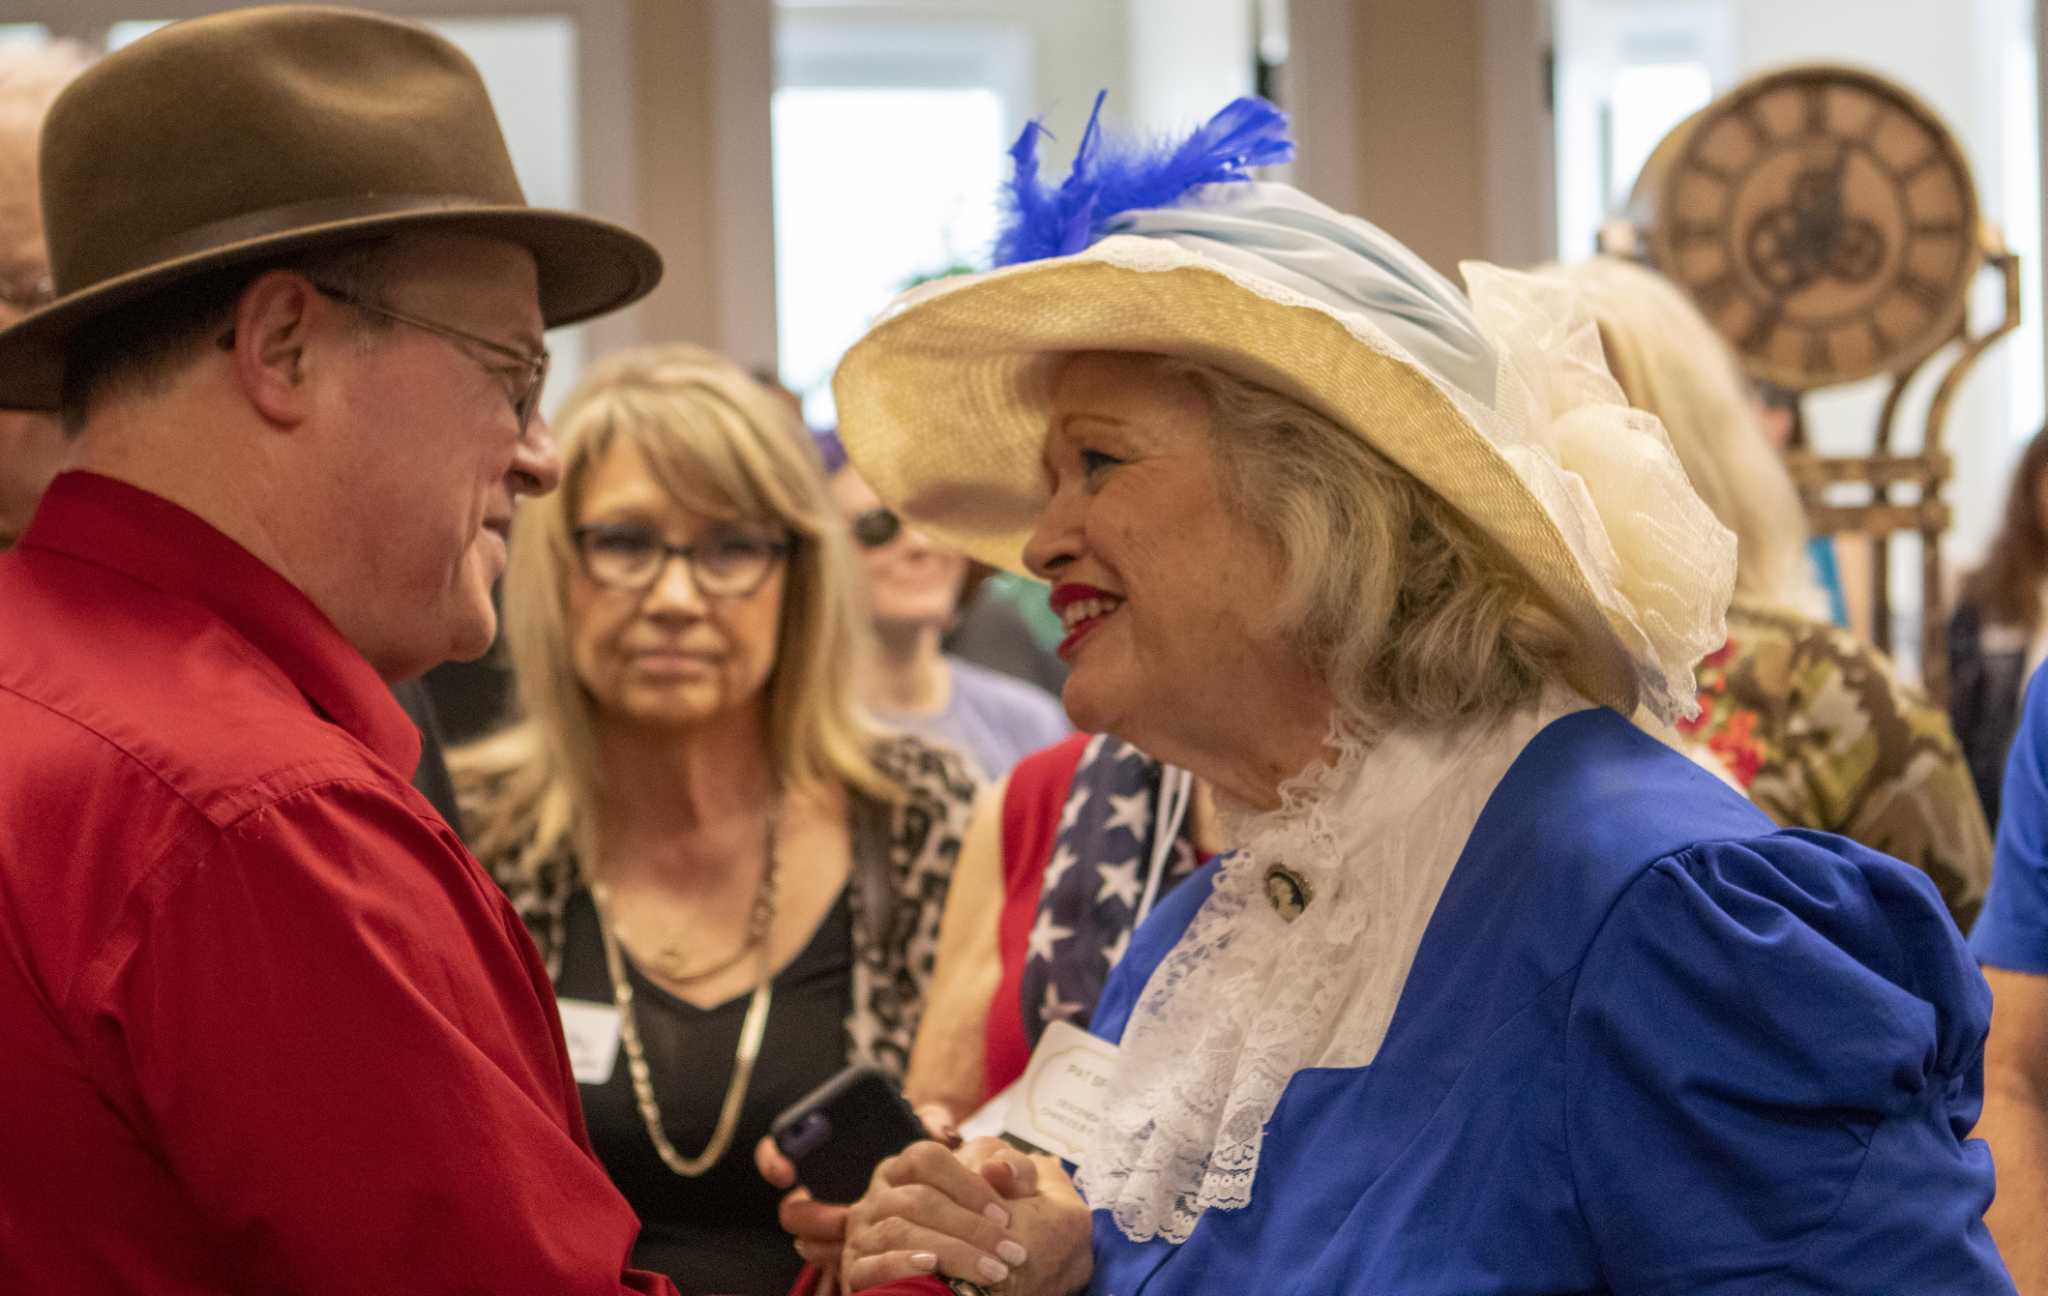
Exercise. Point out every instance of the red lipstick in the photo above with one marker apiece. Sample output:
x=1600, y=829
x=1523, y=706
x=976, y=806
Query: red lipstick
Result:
x=1068, y=593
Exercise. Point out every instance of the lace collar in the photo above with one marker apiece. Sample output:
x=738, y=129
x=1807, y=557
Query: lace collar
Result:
x=1247, y=997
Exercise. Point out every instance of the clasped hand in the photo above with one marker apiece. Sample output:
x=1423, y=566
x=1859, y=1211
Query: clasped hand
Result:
x=985, y=1213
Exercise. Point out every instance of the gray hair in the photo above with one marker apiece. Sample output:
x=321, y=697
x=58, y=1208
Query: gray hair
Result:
x=1413, y=616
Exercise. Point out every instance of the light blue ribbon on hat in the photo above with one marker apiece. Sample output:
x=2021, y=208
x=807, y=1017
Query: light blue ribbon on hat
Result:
x=1282, y=235
x=1197, y=192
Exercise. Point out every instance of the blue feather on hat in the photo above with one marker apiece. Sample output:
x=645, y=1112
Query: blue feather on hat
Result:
x=1110, y=178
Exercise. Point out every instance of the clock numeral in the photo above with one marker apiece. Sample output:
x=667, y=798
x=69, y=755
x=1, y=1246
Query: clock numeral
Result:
x=1926, y=292
x=1880, y=341
x=1748, y=114
x=1758, y=336
x=1819, y=358
x=1687, y=232
x=1814, y=109
x=1712, y=172
x=1925, y=164
x=1872, y=125
x=1717, y=294
x=1934, y=229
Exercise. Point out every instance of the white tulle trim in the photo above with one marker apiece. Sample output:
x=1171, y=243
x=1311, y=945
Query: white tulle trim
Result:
x=1663, y=566
x=1246, y=999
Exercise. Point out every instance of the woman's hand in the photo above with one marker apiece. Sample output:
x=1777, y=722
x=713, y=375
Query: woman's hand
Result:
x=820, y=1227
x=988, y=1214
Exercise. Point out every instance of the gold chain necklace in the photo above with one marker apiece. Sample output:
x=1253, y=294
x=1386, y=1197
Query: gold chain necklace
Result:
x=752, y=1029
x=759, y=920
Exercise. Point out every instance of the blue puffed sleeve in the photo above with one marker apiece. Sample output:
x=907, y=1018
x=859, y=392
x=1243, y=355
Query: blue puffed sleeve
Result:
x=2012, y=930
x=1774, y=1058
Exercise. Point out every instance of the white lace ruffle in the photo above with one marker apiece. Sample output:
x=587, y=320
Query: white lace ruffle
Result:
x=1246, y=999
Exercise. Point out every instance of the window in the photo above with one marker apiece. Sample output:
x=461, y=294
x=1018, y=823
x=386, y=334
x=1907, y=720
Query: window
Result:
x=1627, y=72
x=889, y=153
x=874, y=188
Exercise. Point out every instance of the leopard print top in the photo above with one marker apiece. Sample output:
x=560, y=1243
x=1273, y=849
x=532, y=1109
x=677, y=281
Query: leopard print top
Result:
x=903, y=857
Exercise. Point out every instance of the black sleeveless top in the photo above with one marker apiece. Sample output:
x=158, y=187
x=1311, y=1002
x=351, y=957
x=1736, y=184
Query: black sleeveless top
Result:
x=716, y=1234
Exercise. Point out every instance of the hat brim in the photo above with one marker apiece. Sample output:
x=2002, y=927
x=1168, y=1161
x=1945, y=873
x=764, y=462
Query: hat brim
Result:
x=944, y=405
x=586, y=267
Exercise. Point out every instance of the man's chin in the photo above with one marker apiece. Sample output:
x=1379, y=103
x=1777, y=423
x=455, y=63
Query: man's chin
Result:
x=474, y=638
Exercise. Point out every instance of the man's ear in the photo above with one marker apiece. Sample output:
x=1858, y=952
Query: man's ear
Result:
x=271, y=346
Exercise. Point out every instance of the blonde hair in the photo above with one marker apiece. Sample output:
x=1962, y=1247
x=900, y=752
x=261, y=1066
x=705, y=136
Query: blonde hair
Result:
x=1412, y=615
x=722, y=447
x=1671, y=362
x=31, y=77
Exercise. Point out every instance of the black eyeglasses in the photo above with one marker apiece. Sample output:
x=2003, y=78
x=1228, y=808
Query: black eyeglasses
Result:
x=876, y=527
x=724, y=564
x=530, y=369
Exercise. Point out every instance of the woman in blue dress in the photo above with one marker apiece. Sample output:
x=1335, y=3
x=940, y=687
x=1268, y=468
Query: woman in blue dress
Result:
x=1495, y=992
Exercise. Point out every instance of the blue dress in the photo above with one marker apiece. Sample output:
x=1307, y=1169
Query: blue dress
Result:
x=1649, y=1045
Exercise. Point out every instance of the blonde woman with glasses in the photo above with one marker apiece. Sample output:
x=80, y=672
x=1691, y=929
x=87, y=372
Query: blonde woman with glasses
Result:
x=735, y=881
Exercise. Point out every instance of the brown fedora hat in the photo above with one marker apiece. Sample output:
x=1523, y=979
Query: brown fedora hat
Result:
x=245, y=135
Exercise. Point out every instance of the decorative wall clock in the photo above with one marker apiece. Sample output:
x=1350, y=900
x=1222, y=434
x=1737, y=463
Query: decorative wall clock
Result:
x=1822, y=217
x=1824, y=220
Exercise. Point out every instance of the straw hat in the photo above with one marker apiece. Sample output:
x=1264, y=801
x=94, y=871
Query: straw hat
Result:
x=1503, y=407
x=242, y=136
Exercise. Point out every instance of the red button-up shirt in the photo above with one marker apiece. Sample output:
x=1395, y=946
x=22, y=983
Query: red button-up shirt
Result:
x=265, y=1025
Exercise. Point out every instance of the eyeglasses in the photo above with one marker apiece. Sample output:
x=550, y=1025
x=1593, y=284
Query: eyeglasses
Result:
x=532, y=367
x=725, y=564
x=876, y=527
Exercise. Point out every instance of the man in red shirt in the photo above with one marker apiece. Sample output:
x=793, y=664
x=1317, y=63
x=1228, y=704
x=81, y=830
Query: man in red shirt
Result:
x=268, y=1026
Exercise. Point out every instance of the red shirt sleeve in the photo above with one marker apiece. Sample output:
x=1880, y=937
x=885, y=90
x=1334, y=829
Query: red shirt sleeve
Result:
x=333, y=1032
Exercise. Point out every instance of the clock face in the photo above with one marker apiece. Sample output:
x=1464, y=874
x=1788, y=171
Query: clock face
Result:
x=1823, y=220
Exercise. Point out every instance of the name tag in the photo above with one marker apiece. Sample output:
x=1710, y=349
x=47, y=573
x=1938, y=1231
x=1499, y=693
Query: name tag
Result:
x=591, y=1030
x=1055, y=1106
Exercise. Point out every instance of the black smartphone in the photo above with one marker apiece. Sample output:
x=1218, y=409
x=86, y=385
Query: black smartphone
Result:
x=839, y=1132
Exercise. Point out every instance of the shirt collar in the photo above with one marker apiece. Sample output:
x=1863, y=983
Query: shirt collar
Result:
x=109, y=523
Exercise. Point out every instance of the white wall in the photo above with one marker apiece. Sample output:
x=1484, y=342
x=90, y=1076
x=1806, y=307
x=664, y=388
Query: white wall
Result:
x=1188, y=58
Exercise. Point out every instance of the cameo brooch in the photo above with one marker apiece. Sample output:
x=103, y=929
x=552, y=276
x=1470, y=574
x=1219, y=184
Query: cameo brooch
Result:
x=1288, y=892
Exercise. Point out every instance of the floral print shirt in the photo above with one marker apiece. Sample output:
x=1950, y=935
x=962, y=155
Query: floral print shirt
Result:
x=1820, y=732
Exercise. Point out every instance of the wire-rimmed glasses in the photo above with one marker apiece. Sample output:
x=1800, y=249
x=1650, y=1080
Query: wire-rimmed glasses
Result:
x=726, y=563
x=531, y=367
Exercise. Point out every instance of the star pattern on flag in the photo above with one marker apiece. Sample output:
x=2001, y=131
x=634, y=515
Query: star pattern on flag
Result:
x=1045, y=935
x=1055, y=1008
x=1088, y=896
x=1062, y=860
x=1120, y=882
x=1072, y=813
x=1119, y=946
x=1129, y=813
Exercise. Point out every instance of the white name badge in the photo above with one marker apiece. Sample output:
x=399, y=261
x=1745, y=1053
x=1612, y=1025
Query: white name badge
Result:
x=1056, y=1104
x=591, y=1030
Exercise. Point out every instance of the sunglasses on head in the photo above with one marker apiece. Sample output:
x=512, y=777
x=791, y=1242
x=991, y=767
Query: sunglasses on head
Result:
x=876, y=527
